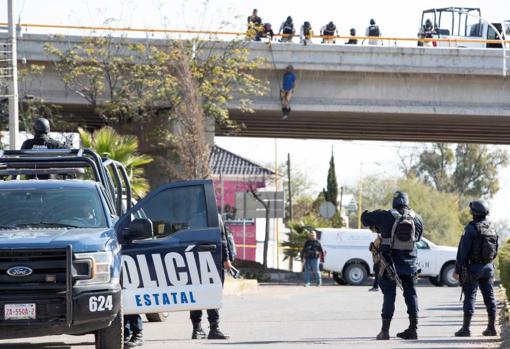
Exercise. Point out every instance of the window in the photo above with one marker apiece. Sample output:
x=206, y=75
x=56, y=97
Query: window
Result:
x=422, y=245
x=55, y=207
x=175, y=209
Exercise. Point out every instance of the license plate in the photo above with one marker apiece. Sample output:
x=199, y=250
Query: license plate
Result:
x=19, y=311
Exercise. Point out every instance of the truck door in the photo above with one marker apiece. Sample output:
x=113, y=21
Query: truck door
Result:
x=426, y=258
x=180, y=267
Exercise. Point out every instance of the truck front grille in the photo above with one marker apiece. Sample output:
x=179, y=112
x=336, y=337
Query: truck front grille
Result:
x=48, y=286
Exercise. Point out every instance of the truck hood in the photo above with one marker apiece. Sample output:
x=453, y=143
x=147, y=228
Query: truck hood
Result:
x=81, y=240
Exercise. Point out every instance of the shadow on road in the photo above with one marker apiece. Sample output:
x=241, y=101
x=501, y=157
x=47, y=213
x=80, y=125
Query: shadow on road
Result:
x=52, y=345
x=433, y=342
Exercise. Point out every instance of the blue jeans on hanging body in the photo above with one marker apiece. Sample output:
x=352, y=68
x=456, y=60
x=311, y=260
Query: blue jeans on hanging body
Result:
x=312, y=267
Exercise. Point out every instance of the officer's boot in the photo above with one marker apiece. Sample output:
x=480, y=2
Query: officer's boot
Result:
x=385, y=330
x=410, y=333
x=215, y=333
x=198, y=332
x=135, y=341
x=491, y=327
x=464, y=330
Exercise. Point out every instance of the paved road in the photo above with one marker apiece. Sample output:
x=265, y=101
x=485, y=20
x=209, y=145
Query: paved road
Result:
x=298, y=317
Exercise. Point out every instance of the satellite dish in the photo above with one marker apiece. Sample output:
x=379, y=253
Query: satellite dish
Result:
x=327, y=210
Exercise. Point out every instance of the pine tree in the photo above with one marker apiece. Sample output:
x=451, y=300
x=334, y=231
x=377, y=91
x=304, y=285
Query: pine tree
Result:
x=331, y=192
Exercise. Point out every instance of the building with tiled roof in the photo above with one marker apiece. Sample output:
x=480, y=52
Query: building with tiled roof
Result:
x=234, y=177
x=225, y=163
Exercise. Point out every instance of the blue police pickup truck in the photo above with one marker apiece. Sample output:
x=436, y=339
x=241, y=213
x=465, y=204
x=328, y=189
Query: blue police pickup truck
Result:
x=75, y=256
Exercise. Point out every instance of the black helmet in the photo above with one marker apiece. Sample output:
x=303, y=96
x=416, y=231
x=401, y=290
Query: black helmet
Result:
x=41, y=126
x=372, y=21
x=353, y=31
x=307, y=24
x=400, y=199
x=479, y=208
x=289, y=19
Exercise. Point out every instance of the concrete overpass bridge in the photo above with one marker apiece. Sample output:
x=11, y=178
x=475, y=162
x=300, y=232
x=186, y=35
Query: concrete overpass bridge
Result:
x=353, y=92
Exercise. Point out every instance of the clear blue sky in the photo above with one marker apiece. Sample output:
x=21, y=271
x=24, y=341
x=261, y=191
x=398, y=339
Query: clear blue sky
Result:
x=395, y=17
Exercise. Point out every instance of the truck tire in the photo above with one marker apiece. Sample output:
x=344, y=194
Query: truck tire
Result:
x=111, y=337
x=157, y=317
x=355, y=274
x=339, y=280
x=436, y=281
x=447, y=275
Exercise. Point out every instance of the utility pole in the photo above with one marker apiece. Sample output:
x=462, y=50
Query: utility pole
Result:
x=291, y=213
x=360, y=194
x=13, y=81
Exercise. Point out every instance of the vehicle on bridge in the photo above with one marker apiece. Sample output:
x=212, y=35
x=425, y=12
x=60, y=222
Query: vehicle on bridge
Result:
x=348, y=258
x=463, y=23
x=75, y=256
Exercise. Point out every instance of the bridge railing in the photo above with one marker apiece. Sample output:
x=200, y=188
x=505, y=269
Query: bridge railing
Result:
x=388, y=40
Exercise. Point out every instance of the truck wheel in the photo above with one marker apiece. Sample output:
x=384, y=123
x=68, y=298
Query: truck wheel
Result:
x=356, y=274
x=436, y=281
x=338, y=279
x=157, y=317
x=447, y=275
x=111, y=337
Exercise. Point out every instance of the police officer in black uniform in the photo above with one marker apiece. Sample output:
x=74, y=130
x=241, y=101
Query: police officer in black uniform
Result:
x=41, y=138
x=213, y=315
x=478, y=248
x=399, y=249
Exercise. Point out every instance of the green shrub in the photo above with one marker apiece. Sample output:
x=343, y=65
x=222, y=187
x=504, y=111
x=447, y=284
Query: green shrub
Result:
x=504, y=267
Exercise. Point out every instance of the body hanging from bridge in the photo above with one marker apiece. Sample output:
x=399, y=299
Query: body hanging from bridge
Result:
x=287, y=90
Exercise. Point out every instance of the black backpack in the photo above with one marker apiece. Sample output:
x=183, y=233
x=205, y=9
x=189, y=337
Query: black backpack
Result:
x=373, y=30
x=485, y=247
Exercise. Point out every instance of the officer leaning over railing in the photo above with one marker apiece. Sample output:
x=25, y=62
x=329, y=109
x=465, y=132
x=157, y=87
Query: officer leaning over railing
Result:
x=400, y=229
x=478, y=247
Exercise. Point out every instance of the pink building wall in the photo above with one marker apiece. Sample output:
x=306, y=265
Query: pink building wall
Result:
x=244, y=231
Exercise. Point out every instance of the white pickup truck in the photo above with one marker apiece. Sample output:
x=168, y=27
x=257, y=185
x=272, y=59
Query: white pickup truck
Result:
x=348, y=257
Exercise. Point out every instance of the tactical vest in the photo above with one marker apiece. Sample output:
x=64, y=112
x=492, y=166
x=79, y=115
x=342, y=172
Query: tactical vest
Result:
x=373, y=30
x=484, y=248
x=403, y=232
x=330, y=30
x=288, y=28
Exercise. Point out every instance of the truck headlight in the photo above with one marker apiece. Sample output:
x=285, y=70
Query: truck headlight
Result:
x=100, y=267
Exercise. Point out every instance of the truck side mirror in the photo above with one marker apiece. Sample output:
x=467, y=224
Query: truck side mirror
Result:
x=138, y=229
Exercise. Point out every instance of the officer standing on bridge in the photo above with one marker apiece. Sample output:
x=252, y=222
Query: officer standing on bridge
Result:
x=41, y=138
x=373, y=31
x=478, y=247
x=400, y=229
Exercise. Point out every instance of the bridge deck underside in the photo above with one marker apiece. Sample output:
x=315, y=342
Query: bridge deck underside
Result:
x=383, y=127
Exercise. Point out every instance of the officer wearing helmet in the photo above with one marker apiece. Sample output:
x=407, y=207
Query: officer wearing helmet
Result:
x=478, y=247
x=41, y=138
x=400, y=229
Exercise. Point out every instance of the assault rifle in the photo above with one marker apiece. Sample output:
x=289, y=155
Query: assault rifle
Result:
x=236, y=274
x=384, y=265
x=463, y=280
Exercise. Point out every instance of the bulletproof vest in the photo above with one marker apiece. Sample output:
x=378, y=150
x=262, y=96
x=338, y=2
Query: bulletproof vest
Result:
x=288, y=28
x=330, y=29
x=484, y=248
x=307, y=30
x=403, y=232
x=43, y=142
x=373, y=30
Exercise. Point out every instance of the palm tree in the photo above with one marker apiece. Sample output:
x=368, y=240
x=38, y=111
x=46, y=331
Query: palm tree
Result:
x=108, y=143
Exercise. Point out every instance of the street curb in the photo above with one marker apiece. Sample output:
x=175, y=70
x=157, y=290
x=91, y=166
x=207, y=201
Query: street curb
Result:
x=505, y=318
x=239, y=286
